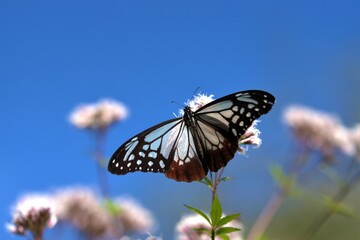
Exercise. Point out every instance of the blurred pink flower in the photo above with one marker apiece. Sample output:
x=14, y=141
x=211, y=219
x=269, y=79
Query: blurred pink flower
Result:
x=99, y=115
x=32, y=213
x=185, y=228
x=80, y=206
x=131, y=217
x=319, y=130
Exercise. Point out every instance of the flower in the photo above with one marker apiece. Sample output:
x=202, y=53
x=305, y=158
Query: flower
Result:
x=185, y=228
x=131, y=217
x=99, y=115
x=197, y=102
x=319, y=130
x=32, y=213
x=250, y=137
x=80, y=207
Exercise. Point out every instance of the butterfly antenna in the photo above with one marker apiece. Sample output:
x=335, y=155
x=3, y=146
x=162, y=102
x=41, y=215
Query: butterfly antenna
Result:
x=196, y=90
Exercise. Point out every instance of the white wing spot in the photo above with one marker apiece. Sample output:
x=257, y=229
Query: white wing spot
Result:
x=235, y=118
x=132, y=156
x=161, y=163
x=140, y=168
x=152, y=155
x=234, y=131
x=187, y=160
x=248, y=114
x=241, y=123
x=256, y=109
x=250, y=105
x=129, y=164
x=138, y=162
x=117, y=165
x=113, y=161
x=235, y=108
x=150, y=163
x=142, y=154
x=121, y=168
x=242, y=110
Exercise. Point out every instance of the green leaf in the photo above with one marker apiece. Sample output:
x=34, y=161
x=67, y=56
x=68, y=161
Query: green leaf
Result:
x=199, y=212
x=223, y=221
x=224, y=237
x=225, y=179
x=338, y=207
x=207, y=182
x=216, y=212
x=226, y=230
x=281, y=178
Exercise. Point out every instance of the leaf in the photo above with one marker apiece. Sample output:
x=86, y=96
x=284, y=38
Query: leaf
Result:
x=216, y=212
x=226, y=230
x=199, y=212
x=224, y=237
x=281, y=178
x=225, y=179
x=207, y=182
x=224, y=220
x=338, y=207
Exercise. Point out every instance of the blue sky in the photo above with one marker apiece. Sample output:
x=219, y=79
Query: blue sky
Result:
x=55, y=55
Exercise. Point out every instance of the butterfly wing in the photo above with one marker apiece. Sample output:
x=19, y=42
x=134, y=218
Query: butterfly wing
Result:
x=221, y=123
x=185, y=152
x=167, y=147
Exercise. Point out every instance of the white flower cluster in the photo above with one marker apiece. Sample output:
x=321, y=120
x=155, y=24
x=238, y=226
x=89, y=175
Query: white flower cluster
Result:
x=250, y=137
x=81, y=208
x=132, y=217
x=99, y=115
x=32, y=213
x=320, y=130
x=197, y=102
x=185, y=229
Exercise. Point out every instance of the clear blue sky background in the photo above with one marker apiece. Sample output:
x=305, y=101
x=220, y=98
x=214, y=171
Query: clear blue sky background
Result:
x=55, y=55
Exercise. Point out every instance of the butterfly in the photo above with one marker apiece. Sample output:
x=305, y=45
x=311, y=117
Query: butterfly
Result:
x=187, y=147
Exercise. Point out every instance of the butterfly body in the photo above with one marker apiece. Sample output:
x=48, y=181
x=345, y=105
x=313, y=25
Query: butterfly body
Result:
x=186, y=148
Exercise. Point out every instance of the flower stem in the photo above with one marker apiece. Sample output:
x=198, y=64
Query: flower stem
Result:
x=326, y=214
x=278, y=197
x=100, y=136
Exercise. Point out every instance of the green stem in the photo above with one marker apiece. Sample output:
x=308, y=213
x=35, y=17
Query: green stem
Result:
x=278, y=197
x=100, y=137
x=326, y=214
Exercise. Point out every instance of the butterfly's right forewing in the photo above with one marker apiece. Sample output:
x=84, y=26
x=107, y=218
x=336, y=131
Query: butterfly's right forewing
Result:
x=148, y=151
x=167, y=147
